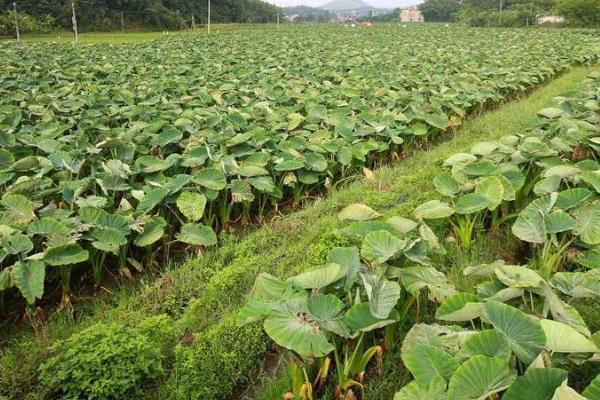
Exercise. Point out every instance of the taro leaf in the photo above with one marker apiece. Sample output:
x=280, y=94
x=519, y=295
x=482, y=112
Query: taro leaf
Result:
x=320, y=277
x=91, y=201
x=561, y=338
x=15, y=244
x=590, y=258
x=536, y=384
x=65, y=255
x=380, y=246
x=479, y=378
x=20, y=208
x=482, y=167
x=592, y=391
x=559, y=221
x=263, y=184
x=426, y=362
x=415, y=279
x=446, y=185
x=524, y=335
x=516, y=276
x=383, y=295
x=530, y=225
x=108, y=240
x=358, y=212
x=562, y=171
x=564, y=392
x=571, y=198
x=448, y=338
x=249, y=171
x=169, y=135
x=459, y=307
x=576, y=284
x=489, y=343
x=588, y=223
x=212, y=179
x=492, y=189
x=288, y=165
x=114, y=221
x=359, y=319
x=471, y=203
x=459, y=160
x=327, y=310
x=358, y=230
x=433, y=209
x=551, y=112
x=439, y=121
x=592, y=179
x=547, y=185
x=153, y=232
x=152, y=198
x=29, y=279
x=191, y=205
x=241, y=191
x=5, y=279
x=292, y=327
x=402, y=225
x=349, y=258
x=294, y=121
x=413, y=391
x=197, y=235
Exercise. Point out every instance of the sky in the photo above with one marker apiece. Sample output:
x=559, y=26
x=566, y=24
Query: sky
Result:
x=316, y=3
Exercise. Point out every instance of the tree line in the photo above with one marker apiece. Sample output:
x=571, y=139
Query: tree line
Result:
x=511, y=12
x=93, y=15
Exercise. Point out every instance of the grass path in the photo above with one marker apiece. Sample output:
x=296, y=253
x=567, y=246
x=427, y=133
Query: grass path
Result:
x=202, y=296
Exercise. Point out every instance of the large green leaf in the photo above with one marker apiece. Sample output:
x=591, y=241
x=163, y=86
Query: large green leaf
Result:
x=379, y=246
x=413, y=391
x=561, y=338
x=320, y=277
x=588, y=223
x=426, y=362
x=358, y=212
x=471, y=203
x=197, y=235
x=530, y=225
x=154, y=230
x=383, y=294
x=65, y=255
x=489, y=343
x=212, y=179
x=29, y=279
x=433, y=209
x=459, y=307
x=19, y=207
x=536, y=384
x=479, y=378
x=191, y=205
x=492, y=189
x=592, y=391
x=524, y=335
x=359, y=319
x=292, y=327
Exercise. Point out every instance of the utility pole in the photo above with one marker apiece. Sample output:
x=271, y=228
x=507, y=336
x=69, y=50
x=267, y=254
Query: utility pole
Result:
x=122, y=23
x=193, y=23
x=500, y=15
x=16, y=22
x=75, y=23
x=208, y=16
x=277, y=20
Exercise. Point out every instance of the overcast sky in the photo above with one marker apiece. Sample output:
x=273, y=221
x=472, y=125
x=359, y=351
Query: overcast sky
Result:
x=374, y=3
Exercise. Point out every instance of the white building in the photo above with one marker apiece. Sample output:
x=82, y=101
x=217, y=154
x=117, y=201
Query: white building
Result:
x=411, y=15
x=551, y=19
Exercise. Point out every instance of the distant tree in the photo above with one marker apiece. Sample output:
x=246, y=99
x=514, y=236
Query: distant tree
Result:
x=580, y=12
x=440, y=10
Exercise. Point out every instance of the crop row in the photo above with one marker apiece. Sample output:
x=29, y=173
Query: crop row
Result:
x=110, y=155
x=517, y=335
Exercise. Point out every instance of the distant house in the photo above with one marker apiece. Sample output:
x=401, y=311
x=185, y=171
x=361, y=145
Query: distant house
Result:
x=411, y=15
x=551, y=19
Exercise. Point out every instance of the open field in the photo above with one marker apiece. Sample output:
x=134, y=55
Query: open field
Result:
x=115, y=157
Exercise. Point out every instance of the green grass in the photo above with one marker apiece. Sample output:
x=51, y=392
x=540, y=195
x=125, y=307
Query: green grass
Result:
x=202, y=296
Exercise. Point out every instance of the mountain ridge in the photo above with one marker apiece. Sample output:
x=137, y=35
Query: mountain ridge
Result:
x=341, y=5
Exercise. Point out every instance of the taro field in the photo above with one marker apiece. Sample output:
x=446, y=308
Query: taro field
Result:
x=116, y=160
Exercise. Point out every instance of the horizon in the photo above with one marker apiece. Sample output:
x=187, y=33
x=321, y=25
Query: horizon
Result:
x=318, y=3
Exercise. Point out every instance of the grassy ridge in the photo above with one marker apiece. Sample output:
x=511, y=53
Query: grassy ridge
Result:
x=202, y=296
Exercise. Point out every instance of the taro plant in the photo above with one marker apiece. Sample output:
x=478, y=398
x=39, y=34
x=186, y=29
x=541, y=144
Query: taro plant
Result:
x=513, y=355
x=329, y=316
